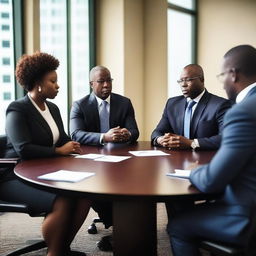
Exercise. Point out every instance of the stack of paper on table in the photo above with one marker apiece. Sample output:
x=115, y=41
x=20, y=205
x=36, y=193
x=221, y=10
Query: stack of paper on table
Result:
x=65, y=175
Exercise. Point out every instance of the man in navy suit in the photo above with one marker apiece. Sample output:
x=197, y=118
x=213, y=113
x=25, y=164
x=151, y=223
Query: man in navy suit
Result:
x=86, y=125
x=207, y=115
x=99, y=118
x=231, y=171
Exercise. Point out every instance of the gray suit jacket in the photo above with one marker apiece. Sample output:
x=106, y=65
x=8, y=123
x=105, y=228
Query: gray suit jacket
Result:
x=233, y=171
x=85, y=121
x=206, y=123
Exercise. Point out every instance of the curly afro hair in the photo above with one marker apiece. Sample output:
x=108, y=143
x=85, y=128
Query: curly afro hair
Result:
x=31, y=68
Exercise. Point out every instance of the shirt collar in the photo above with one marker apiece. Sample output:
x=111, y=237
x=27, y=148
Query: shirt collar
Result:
x=197, y=99
x=241, y=95
x=99, y=100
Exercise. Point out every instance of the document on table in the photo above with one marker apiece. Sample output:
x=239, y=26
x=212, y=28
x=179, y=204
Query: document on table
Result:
x=148, y=153
x=89, y=156
x=114, y=159
x=103, y=158
x=178, y=173
x=66, y=175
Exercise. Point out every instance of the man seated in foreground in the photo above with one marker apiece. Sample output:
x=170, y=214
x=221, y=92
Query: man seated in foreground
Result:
x=231, y=171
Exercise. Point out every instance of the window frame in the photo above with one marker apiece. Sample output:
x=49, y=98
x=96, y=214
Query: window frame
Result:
x=194, y=15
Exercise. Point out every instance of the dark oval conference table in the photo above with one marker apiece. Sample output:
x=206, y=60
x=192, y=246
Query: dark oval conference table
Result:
x=134, y=186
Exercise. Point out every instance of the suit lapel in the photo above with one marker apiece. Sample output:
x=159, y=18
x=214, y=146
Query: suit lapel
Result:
x=93, y=110
x=113, y=109
x=37, y=116
x=198, y=112
x=180, y=115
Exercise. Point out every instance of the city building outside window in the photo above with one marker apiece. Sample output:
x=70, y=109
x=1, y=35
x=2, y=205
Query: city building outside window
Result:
x=7, y=81
x=64, y=33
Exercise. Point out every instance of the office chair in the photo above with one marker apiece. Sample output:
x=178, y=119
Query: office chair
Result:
x=13, y=207
x=223, y=249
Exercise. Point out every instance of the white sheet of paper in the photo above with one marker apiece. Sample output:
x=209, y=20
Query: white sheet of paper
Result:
x=148, y=153
x=180, y=173
x=89, y=156
x=65, y=175
x=114, y=159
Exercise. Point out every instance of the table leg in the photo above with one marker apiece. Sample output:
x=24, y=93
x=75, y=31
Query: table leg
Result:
x=134, y=230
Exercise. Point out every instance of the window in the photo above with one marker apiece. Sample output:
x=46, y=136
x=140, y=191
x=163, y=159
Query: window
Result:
x=6, y=78
x=7, y=96
x=7, y=88
x=5, y=27
x=5, y=43
x=64, y=33
x=181, y=40
x=5, y=15
x=6, y=61
x=8, y=51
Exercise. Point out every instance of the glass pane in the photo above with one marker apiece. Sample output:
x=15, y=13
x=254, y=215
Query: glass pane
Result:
x=188, y=4
x=7, y=82
x=53, y=40
x=80, y=49
x=179, y=47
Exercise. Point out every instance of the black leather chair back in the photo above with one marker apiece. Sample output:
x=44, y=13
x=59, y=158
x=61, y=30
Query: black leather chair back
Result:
x=3, y=142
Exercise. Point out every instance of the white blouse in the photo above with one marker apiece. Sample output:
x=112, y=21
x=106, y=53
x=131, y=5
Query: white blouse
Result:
x=46, y=114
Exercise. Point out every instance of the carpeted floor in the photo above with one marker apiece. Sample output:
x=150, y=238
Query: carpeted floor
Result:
x=16, y=228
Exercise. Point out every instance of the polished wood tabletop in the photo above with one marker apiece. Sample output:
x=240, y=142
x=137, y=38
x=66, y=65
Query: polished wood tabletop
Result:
x=134, y=186
x=136, y=176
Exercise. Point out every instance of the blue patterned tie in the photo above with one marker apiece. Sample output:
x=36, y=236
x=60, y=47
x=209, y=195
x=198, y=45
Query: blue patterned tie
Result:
x=104, y=117
x=187, y=118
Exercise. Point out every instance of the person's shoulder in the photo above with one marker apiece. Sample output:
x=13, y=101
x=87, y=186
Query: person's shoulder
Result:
x=85, y=99
x=175, y=99
x=119, y=97
x=248, y=104
x=19, y=104
x=217, y=98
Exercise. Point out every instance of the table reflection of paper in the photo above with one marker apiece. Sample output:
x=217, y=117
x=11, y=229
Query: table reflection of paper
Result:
x=178, y=173
x=108, y=158
x=148, y=153
x=67, y=176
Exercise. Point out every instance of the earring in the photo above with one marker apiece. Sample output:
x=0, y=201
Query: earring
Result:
x=39, y=89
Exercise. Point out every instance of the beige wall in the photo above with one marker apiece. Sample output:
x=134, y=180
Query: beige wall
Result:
x=223, y=24
x=132, y=42
x=31, y=26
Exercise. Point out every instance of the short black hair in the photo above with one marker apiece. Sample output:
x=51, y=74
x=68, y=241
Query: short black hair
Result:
x=31, y=68
x=243, y=59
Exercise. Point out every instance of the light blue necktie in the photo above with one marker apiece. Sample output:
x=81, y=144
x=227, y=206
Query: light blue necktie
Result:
x=187, y=118
x=104, y=117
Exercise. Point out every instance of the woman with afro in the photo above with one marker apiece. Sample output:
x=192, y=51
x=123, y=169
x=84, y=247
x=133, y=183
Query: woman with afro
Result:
x=34, y=129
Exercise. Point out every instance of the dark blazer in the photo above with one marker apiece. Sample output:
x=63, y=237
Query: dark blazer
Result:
x=28, y=134
x=206, y=123
x=85, y=121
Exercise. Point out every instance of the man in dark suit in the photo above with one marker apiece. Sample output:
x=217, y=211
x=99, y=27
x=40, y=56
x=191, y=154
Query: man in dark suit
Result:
x=231, y=171
x=207, y=115
x=99, y=118
x=86, y=124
